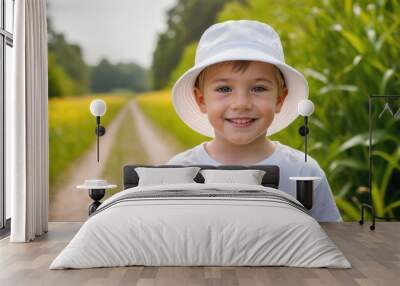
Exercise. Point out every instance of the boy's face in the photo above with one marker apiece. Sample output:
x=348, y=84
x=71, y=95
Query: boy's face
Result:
x=240, y=105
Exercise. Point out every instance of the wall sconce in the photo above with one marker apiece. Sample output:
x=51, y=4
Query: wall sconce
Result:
x=98, y=108
x=305, y=108
x=305, y=185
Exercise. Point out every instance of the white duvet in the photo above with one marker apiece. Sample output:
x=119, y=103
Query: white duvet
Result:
x=205, y=231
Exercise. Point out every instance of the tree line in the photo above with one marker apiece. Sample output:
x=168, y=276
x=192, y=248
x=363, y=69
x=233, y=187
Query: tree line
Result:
x=70, y=75
x=186, y=21
x=174, y=53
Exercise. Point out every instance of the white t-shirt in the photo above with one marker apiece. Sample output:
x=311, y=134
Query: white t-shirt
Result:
x=291, y=164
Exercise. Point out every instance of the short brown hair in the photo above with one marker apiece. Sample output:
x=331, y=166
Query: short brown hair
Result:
x=240, y=65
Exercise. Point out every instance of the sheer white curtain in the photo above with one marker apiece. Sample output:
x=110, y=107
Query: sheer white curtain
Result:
x=27, y=124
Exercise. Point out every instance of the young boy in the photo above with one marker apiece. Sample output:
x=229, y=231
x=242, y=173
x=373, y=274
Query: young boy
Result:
x=239, y=92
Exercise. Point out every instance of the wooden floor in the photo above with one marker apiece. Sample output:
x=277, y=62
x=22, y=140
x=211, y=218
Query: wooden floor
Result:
x=374, y=255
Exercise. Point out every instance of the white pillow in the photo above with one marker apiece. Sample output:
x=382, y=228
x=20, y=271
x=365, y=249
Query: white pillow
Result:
x=249, y=177
x=162, y=176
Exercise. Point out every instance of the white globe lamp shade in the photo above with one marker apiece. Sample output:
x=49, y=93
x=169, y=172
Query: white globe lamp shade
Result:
x=305, y=107
x=98, y=107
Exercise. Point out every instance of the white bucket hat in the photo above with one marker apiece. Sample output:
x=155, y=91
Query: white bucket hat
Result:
x=238, y=40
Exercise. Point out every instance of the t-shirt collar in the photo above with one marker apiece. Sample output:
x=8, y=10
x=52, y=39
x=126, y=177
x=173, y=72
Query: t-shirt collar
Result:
x=264, y=161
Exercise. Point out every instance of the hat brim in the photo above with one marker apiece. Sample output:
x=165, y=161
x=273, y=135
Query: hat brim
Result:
x=188, y=110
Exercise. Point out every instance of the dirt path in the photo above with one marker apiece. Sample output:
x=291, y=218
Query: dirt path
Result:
x=159, y=146
x=70, y=203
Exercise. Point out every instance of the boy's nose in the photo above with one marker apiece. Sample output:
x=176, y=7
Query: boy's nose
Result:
x=242, y=100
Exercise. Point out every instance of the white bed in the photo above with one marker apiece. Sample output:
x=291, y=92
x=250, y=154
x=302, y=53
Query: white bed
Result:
x=183, y=230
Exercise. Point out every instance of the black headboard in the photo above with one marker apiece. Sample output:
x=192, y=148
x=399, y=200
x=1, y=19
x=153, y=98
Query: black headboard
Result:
x=270, y=179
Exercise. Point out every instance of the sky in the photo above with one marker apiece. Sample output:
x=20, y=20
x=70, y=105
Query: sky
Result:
x=120, y=30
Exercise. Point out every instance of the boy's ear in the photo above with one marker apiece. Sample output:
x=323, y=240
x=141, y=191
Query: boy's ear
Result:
x=280, y=99
x=199, y=96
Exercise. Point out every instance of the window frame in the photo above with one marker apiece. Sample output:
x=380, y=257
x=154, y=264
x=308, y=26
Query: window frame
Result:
x=6, y=39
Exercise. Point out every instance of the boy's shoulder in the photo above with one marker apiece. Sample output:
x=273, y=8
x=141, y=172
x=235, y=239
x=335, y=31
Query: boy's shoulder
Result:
x=290, y=153
x=294, y=156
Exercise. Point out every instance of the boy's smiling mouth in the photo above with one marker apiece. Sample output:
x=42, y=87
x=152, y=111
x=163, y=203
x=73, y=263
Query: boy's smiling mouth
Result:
x=241, y=122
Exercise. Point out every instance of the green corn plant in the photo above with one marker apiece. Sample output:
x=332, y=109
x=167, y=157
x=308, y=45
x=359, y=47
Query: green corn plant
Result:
x=348, y=50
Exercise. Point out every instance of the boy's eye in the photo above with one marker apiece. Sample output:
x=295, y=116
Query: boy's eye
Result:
x=223, y=89
x=259, y=88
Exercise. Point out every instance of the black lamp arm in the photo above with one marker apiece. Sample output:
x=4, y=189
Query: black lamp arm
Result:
x=303, y=130
x=305, y=137
x=100, y=131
